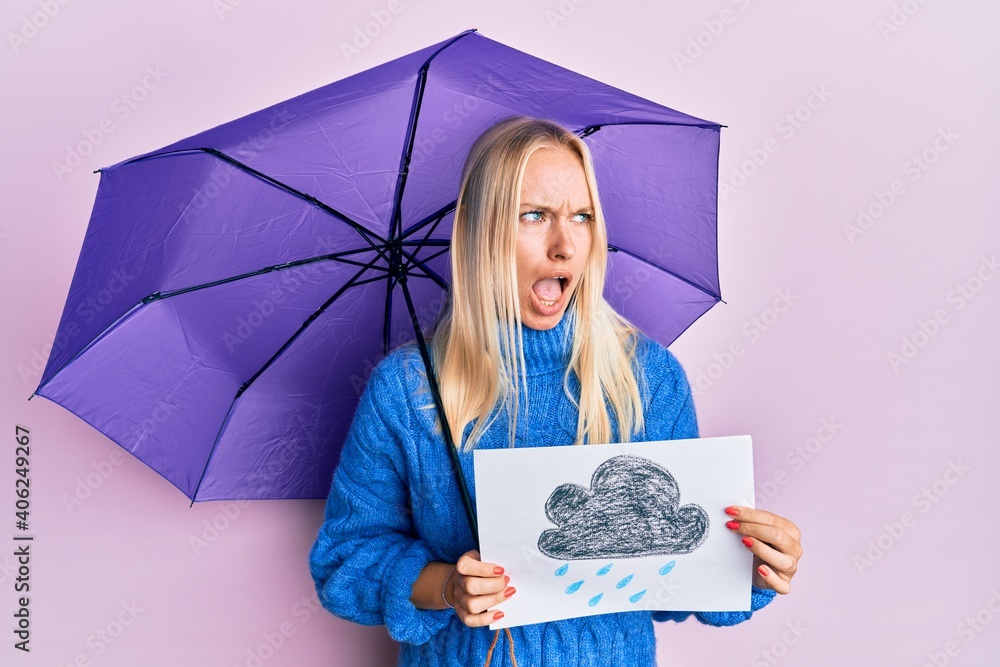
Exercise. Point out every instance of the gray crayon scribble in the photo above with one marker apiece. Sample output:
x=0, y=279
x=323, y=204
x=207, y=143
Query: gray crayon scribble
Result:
x=630, y=510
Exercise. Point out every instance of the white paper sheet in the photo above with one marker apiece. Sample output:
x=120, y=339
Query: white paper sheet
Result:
x=602, y=561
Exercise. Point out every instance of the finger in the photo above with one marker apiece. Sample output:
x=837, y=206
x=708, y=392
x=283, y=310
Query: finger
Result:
x=470, y=565
x=479, y=620
x=477, y=604
x=753, y=515
x=476, y=610
x=774, y=580
x=777, y=560
x=473, y=586
x=775, y=536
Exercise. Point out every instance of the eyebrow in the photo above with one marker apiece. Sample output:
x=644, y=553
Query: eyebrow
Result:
x=582, y=209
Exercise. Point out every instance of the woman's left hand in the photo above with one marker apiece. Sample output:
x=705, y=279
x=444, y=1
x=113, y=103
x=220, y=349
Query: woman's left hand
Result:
x=774, y=541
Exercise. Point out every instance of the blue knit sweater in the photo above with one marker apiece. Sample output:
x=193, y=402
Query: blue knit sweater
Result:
x=394, y=506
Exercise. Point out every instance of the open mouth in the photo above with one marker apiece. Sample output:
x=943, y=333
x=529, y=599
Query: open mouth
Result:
x=549, y=291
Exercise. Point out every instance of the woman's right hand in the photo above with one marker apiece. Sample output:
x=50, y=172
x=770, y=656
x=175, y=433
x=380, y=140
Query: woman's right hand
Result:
x=474, y=587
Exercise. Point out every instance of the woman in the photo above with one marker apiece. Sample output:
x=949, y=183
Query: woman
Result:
x=527, y=353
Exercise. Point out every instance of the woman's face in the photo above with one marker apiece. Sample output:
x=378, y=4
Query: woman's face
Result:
x=553, y=235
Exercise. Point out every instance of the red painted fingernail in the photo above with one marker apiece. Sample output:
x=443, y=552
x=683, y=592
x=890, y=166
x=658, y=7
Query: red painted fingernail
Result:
x=510, y=591
x=497, y=616
x=762, y=570
x=747, y=541
x=732, y=511
x=733, y=525
x=506, y=580
x=498, y=570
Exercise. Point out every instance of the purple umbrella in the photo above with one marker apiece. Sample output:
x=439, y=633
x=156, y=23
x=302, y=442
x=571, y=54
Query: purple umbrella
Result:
x=236, y=288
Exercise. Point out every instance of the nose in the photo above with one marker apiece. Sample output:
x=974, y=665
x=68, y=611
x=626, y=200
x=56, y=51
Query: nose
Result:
x=561, y=245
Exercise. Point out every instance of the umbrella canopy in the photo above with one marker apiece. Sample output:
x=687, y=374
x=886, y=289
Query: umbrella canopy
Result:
x=236, y=288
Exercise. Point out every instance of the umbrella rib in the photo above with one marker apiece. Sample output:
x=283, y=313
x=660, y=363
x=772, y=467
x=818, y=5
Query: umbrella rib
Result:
x=365, y=233
x=437, y=221
x=434, y=217
x=337, y=256
x=157, y=296
x=350, y=283
x=395, y=229
x=427, y=242
x=614, y=248
x=435, y=255
x=319, y=311
x=590, y=129
x=369, y=280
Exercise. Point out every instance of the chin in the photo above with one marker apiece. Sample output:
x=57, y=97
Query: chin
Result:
x=543, y=322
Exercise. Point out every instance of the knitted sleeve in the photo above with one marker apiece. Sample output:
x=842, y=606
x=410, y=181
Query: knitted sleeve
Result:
x=367, y=554
x=671, y=416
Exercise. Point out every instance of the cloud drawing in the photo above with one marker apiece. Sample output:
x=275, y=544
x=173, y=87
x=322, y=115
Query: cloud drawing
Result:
x=631, y=509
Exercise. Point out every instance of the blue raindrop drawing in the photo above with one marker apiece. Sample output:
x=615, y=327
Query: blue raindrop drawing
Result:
x=574, y=587
x=669, y=566
x=594, y=600
x=637, y=596
x=563, y=570
x=624, y=582
x=604, y=570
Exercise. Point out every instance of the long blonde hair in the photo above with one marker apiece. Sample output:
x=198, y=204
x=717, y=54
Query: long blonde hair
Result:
x=479, y=365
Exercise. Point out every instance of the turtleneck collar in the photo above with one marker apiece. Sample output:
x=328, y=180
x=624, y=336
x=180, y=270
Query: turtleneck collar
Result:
x=548, y=350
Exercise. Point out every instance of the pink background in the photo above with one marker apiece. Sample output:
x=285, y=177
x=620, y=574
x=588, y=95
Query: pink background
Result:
x=848, y=301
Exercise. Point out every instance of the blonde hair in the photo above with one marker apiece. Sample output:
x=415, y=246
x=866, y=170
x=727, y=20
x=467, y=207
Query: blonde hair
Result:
x=479, y=364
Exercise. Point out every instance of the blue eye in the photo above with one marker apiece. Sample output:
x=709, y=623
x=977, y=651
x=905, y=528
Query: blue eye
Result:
x=538, y=216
